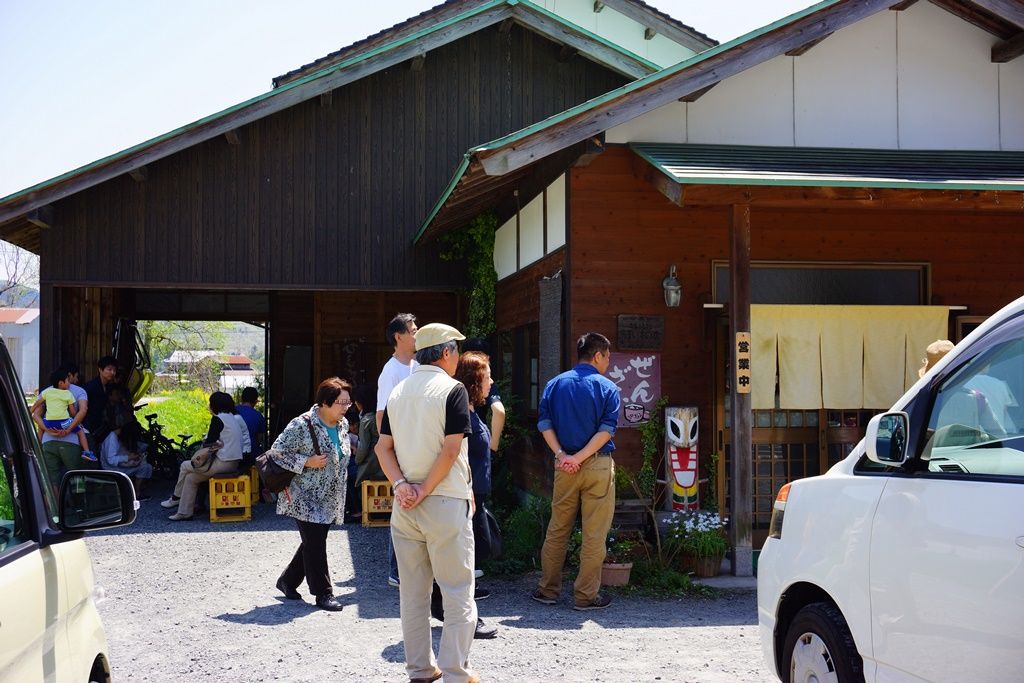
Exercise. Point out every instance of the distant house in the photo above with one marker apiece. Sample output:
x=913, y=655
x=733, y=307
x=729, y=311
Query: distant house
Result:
x=19, y=328
x=236, y=371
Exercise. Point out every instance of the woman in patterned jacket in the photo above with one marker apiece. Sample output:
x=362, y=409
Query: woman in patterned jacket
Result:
x=316, y=496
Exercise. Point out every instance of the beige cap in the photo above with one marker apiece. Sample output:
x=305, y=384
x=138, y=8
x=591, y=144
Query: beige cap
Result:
x=436, y=333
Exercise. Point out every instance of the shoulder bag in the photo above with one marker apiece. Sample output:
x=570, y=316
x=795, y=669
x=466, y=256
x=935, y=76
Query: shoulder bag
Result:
x=276, y=478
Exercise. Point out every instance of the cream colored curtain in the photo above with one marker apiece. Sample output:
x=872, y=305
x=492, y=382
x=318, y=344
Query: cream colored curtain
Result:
x=839, y=356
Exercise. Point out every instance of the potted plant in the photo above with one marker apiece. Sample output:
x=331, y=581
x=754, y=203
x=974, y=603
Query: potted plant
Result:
x=622, y=548
x=699, y=536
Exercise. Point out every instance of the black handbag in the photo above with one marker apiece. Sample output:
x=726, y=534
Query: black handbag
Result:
x=276, y=478
x=486, y=534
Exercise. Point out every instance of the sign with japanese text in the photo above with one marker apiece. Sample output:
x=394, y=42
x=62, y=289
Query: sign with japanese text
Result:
x=640, y=332
x=638, y=377
x=742, y=362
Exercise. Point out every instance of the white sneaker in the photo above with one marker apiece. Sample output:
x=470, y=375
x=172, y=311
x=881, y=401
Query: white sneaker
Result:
x=169, y=503
x=478, y=573
x=393, y=582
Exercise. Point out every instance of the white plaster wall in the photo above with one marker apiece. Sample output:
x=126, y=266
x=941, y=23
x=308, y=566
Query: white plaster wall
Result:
x=556, y=214
x=664, y=124
x=917, y=79
x=948, y=85
x=505, y=249
x=844, y=102
x=754, y=107
x=25, y=352
x=531, y=232
x=1011, y=101
x=619, y=29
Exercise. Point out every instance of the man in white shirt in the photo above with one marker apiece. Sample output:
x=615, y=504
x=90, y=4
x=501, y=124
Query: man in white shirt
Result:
x=401, y=334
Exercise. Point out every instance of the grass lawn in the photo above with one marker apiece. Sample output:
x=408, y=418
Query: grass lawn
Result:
x=180, y=412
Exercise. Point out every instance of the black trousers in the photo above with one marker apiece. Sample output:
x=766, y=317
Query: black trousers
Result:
x=310, y=560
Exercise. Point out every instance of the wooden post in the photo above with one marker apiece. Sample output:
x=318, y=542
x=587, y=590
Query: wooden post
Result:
x=740, y=515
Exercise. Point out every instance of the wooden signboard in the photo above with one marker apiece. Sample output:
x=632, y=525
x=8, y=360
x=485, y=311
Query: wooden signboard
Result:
x=742, y=362
x=641, y=332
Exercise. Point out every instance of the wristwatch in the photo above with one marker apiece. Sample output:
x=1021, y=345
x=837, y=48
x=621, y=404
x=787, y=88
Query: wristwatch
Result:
x=559, y=453
x=399, y=483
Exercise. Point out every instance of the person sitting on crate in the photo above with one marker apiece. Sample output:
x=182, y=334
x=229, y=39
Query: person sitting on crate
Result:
x=224, y=427
x=121, y=452
x=315, y=446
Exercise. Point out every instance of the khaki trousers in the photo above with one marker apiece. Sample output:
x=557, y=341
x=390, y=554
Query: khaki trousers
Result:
x=189, y=481
x=434, y=542
x=592, y=489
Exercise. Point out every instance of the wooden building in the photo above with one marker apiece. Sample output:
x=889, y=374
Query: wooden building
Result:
x=297, y=209
x=817, y=183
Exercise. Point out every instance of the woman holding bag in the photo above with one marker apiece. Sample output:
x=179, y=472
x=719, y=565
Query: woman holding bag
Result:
x=316, y=447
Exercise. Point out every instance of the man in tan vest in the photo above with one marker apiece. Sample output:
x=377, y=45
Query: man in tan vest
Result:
x=423, y=451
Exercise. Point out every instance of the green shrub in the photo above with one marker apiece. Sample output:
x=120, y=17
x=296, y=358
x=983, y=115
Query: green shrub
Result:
x=522, y=532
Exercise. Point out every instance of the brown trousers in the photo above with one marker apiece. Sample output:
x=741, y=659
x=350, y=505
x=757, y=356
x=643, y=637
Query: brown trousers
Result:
x=591, y=490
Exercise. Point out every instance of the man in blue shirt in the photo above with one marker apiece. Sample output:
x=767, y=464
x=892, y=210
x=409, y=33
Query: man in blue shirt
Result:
x=254, y=420
x=578, y=413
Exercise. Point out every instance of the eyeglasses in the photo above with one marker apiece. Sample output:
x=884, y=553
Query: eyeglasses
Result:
x=345, y=404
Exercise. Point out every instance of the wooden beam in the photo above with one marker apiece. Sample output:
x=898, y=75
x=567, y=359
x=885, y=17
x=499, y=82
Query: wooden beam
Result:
x=42, y=216
x=1008, y=50
x=900, y=6
x=741, y=515
x=140, y=174
x=607, y=55
x=281, y=98
x=232, y=135
x=566, y=53
x=1007, y=10
x=806, y=46
x=650, y=18
x=590, y=120
x=696, y=94
x=825, y=198
x=977, y=16
x=416, y=63
x=505, y=26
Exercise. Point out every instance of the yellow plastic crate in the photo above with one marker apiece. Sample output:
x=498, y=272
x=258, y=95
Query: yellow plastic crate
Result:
x=254, y=484
x=230, y=499
x=378, y=497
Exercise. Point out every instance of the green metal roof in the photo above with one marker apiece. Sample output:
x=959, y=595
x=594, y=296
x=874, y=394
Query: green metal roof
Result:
x=833, y=167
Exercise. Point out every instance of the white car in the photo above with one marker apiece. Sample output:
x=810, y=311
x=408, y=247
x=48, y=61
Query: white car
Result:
x=905, y=561
x=49, y=627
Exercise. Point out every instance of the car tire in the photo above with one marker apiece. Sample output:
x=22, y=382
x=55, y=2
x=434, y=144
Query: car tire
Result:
x=819, y=647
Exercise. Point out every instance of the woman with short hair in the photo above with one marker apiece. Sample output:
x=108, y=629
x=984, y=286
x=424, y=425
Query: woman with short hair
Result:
x=315, y=446
x=224, y=428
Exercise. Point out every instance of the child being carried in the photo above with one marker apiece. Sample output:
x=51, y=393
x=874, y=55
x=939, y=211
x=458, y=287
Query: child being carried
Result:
x=61, y=408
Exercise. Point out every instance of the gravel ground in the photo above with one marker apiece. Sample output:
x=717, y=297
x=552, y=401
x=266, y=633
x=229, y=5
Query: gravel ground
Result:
x=194, y=601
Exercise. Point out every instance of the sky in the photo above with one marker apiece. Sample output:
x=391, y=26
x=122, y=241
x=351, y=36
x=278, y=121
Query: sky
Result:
x=82, y=80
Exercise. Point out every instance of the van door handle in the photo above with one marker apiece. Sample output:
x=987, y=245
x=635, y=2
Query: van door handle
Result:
x=1020, y=541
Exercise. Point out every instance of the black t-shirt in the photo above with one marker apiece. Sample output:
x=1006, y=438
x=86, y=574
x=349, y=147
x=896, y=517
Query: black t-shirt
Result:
x=456, y=413
x=97, y=395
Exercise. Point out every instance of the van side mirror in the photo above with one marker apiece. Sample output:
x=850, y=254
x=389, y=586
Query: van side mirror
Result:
x=95, y=499
x=885, y=441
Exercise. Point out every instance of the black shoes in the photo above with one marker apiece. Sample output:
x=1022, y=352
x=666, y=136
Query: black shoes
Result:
x=541, y=598
x=484, y=631
x=289, y=593
x=329, y=603
x=481, y=594
x=599, y=602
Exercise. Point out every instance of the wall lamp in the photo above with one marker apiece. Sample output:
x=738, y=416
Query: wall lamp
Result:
x=673, y=290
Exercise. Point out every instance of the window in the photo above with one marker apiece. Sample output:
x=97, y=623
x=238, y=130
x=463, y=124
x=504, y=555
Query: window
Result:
x=977, y=424
x=13, y=529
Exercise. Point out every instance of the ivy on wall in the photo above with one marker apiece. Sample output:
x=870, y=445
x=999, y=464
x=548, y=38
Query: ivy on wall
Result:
x=474, y=245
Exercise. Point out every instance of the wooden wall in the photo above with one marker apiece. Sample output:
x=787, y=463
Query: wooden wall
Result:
x=625, y=234
x=327, y=194
x=518, y=296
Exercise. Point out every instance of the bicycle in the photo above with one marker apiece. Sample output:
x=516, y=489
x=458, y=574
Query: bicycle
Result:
x=163, y=453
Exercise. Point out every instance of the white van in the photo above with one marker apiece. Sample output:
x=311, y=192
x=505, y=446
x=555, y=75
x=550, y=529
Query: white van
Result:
x=905, y=561
x=49, y=627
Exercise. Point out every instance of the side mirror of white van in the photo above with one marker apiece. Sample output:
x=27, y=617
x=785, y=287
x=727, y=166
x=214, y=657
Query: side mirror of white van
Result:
x=95, y=499
x=886, y=439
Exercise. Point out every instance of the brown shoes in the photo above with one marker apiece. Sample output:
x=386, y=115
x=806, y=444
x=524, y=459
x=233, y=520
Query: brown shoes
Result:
x=436, y=676
x=599, y=602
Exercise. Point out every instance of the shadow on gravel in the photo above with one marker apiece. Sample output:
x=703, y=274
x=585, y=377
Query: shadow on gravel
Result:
x=396, y=653
x=271, y=615
x=627, y=613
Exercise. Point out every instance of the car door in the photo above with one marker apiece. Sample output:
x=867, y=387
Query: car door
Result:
x=31, y=631
x=947, y=547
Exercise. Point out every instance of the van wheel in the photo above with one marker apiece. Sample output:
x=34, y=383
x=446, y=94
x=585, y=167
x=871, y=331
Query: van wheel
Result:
x=820, y=649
